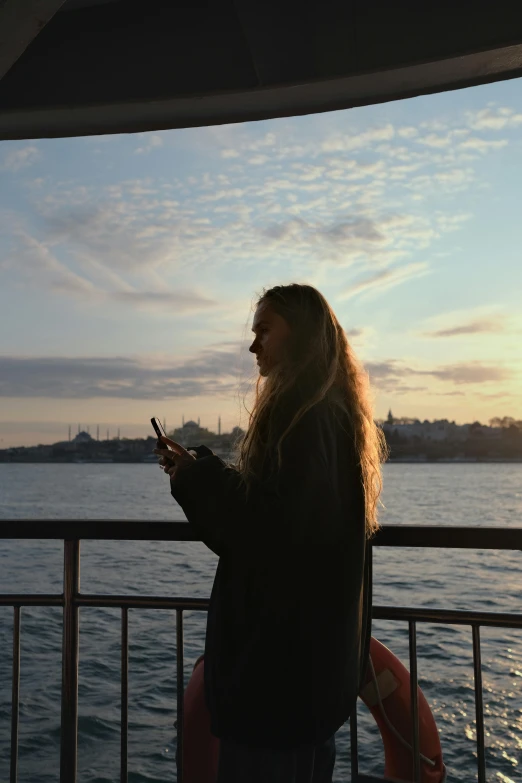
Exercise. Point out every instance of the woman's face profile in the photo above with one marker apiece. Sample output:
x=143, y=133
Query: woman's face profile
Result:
x=271, y=331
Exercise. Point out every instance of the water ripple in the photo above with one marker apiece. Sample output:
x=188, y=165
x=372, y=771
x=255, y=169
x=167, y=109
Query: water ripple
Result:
x=415, y=494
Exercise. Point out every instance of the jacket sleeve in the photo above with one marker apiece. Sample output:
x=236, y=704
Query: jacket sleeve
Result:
x=228, y=518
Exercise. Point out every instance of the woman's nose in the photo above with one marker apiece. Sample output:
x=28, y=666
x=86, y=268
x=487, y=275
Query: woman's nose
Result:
x=252, y=348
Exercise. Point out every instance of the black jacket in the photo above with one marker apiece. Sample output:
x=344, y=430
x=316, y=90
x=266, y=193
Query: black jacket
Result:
x=288, y=625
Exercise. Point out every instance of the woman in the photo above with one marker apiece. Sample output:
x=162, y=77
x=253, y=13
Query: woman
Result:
x=288, y=624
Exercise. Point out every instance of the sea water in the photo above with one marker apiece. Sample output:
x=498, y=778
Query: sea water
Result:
x=420, y=494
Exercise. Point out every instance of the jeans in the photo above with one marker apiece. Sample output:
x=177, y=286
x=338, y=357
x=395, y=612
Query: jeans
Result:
x=244, y=764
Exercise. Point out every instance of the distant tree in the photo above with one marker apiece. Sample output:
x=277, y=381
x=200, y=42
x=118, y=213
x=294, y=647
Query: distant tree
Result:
x=505, y=421
x=511, y=433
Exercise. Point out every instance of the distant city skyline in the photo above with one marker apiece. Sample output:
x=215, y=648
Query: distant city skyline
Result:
x=129, y=264
x=132, y=431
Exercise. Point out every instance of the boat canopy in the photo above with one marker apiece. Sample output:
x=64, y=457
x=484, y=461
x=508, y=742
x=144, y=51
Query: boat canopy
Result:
x=85, y=67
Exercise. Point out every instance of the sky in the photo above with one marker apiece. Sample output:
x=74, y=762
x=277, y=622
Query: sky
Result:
x=130, y=264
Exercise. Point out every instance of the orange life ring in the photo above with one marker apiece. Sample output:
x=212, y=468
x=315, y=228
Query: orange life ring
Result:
x=391, y=712
x=390, y=705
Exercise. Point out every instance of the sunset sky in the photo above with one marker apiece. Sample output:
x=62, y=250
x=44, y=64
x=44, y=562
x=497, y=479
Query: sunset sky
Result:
x=129, y=264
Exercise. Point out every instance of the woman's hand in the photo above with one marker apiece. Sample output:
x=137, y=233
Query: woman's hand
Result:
x=174, y=458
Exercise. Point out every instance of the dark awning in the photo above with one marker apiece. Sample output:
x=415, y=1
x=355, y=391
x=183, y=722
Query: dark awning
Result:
x=113, y=66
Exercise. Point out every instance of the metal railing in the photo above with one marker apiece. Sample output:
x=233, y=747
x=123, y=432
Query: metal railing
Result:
x=72, y=599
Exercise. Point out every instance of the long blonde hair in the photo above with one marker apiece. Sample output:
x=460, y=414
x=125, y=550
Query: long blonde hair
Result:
x=319, y=363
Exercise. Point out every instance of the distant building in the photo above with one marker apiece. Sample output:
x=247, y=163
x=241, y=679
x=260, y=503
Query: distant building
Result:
x=494, y=433
x=426, y=430
x=189, y=433
x=190, y=428
x=82, y=437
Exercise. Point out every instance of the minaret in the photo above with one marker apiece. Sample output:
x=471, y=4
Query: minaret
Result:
x=183, y=420
x=107, y=433
x=198, y=421
x=88, y=430
x=78, y=429
x=165, y=424
x=219, y=426
x=118, y=433
x=69, y=433
x=97, y=432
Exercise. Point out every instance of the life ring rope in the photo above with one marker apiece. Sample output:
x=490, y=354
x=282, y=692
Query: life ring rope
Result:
x=201, y=747
x=387, y=720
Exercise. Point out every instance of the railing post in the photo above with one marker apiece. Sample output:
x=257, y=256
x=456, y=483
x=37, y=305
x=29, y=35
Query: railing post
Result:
x=13, y=775
x=124, y=694
x=414, y=701
x=69, y=724
x=479, y=704
x=180, y=688
x=354, y=745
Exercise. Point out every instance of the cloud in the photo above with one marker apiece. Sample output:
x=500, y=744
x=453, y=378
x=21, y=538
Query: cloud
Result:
x=344, y=232
x=153, y=142
x=179, y=301
x=244, y=144
x=36, y=264
x=484, y=321
x=453, y=222
x=213, y=371
x=433, y=140
x=349, y=239
x=498, y=396
x=122, y=235
x=384, y=370
x=430, y=144
x=348, y=142
x=392, y=377
x=469, y=373
x=342, y=242
x=395, y=377
x=20, y=158
x=454, y=179
x=223, y=194
x=482, y=145
x=474, y=327
x=489, y=119
x=407, y=132
x=386, y=278
x=309, y=172
x=442, y=141
x=268, y=140
x=308, y=202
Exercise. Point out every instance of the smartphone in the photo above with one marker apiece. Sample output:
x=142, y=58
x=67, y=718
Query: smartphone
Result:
x=158, y=427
